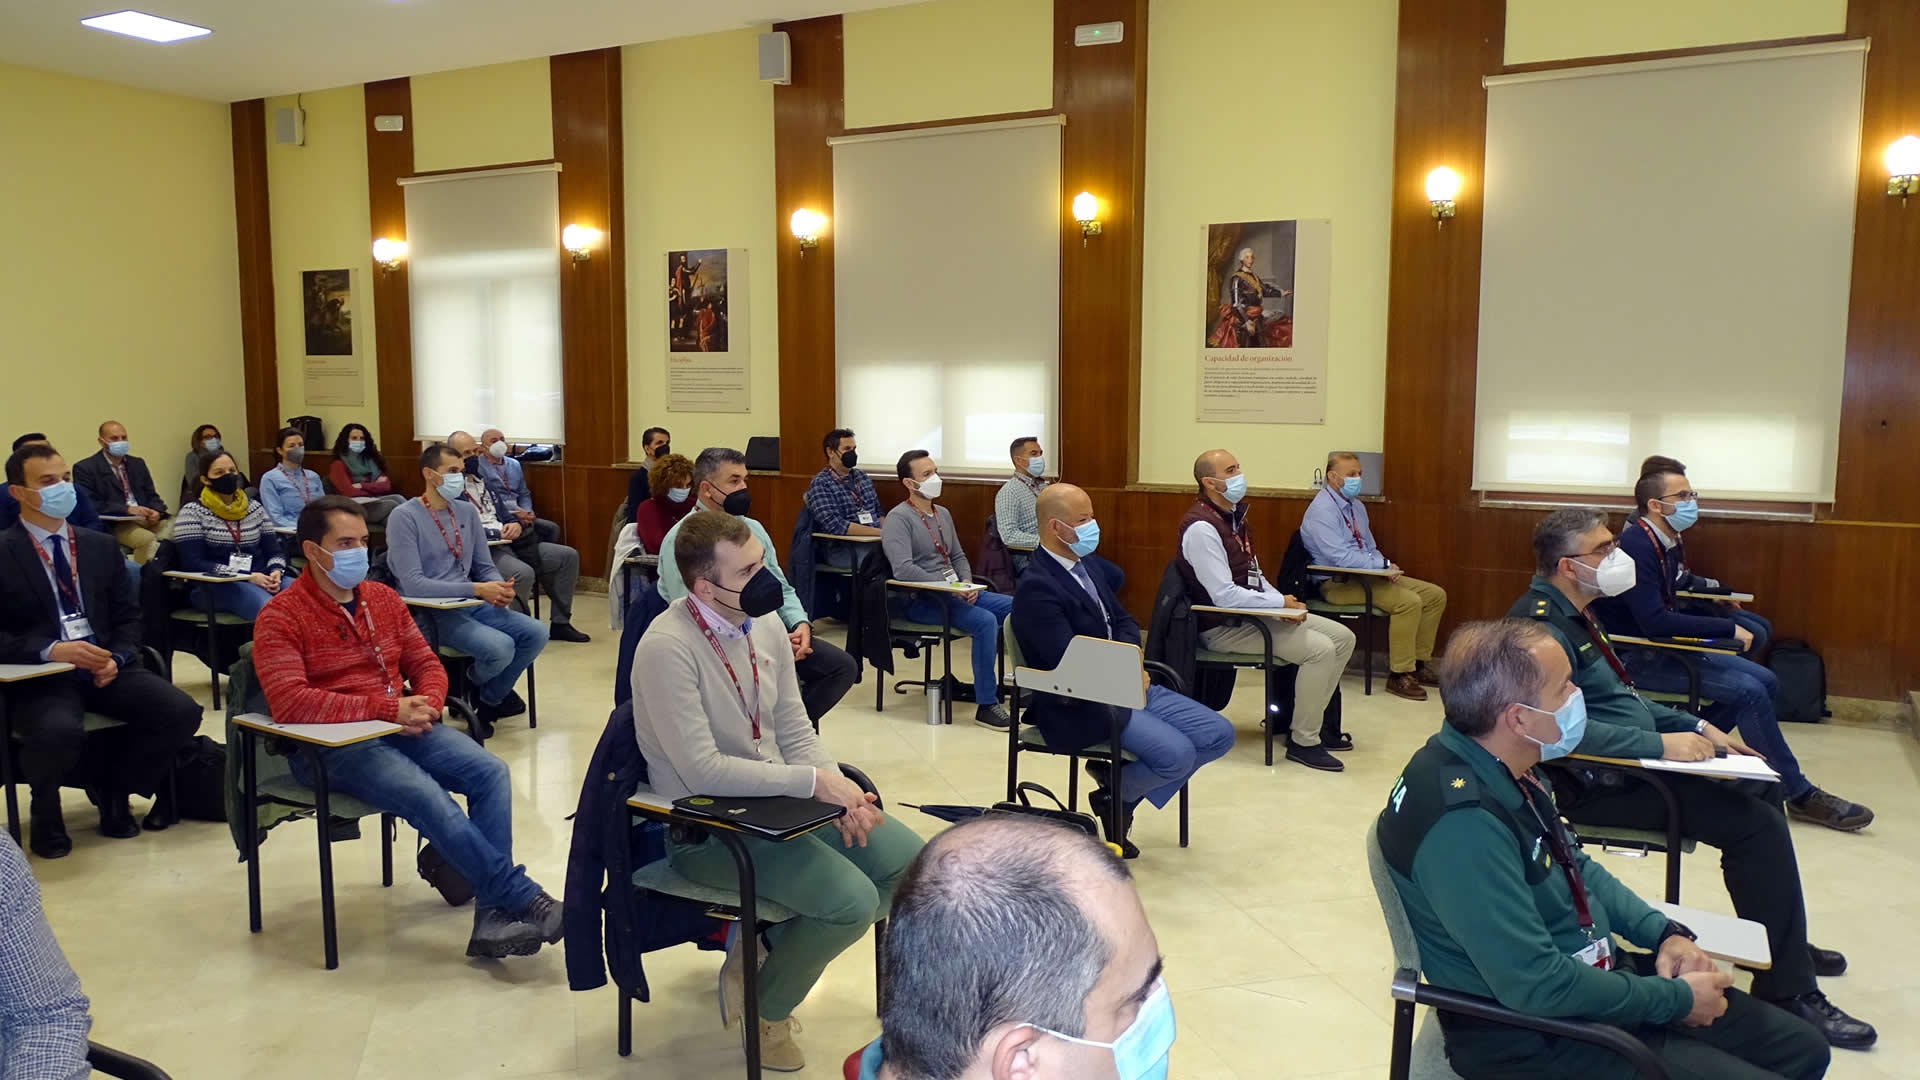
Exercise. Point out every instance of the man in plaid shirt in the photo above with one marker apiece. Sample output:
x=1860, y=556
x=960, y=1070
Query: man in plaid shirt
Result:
x=334, y=648
x=43, y=1014
x=842, y=498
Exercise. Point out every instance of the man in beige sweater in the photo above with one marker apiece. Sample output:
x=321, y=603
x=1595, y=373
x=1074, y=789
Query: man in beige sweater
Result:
x=717, y=711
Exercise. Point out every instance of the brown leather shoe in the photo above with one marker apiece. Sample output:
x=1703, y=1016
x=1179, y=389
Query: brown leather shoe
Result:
x=1403, y=684
x=1423, y=671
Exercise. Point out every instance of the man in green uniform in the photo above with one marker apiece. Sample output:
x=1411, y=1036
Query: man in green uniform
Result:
x=1576, y=560
x=1503, y=905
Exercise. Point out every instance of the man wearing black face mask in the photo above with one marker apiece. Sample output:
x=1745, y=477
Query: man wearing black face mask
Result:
x=825, y=670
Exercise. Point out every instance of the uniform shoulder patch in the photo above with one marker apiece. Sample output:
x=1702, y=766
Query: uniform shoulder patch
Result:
x=1460, y=788
x=1542, y=609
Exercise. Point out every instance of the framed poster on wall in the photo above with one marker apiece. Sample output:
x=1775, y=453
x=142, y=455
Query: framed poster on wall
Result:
x=1263, y=353
x=707, y=355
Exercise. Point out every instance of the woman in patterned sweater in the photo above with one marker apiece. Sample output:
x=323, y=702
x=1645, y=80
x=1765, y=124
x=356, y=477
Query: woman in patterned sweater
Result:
x=225, y=531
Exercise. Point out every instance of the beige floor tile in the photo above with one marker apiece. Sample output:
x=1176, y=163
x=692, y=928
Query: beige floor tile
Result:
x=1286, y=1027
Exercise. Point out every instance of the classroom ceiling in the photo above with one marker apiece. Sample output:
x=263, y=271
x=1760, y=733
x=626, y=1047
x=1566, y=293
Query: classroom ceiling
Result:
x=263, y=47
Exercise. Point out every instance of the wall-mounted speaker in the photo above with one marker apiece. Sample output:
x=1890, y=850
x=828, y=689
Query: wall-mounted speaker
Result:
x=290, y=127
x=776, y=58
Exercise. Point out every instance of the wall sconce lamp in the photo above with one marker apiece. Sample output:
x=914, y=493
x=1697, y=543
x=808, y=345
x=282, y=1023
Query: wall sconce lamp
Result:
x=1903, y=167
x=388, y=254
x=1442, y=185
x=1086, y=211
x=807, y=225
x=579, y=241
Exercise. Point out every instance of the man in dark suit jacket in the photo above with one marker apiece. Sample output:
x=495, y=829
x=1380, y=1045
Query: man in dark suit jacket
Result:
x=1066, y=592
x=65, y=598
x=121, y=486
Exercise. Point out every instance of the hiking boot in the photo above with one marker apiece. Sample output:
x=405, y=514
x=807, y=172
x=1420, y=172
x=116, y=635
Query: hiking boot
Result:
x=1840, y=1030
x=778, y=1051
x=1405, y=684
x=1314, y=757
x=1822, y=808
x=547, y=917
x=1424, y=674
x=993, y=716
x=497, y=935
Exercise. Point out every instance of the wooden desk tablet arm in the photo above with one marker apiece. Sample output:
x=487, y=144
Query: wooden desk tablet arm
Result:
x=1409, y=991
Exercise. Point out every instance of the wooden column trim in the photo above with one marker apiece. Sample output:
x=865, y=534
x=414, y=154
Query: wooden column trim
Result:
x=390, y=157
x=805, y=114
x=587, y=141
x=260, y=361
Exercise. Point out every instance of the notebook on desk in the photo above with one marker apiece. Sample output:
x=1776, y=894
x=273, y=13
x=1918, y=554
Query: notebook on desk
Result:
x=777, y=817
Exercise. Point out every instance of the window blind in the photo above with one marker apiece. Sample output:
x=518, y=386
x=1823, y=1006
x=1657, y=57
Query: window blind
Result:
x=483, y=270
x=1667, y=255
x=946, y=248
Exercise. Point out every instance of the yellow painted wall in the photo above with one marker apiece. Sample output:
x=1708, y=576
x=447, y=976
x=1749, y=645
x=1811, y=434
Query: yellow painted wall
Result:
x=483, y=116
x=1306, y=131
x=704, y=184
x=1540, y=30
x=121, y=285
x=948, y=58
x=318, y=196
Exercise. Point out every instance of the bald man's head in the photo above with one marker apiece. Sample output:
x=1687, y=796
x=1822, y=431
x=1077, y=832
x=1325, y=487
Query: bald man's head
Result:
x=1061, y=510
x=1211, y=471
x=462, y=443
x=1002, y=925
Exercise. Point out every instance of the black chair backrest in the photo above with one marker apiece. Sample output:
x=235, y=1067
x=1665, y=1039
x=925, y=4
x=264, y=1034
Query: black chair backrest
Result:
x=763, y=453
x=1292, y=578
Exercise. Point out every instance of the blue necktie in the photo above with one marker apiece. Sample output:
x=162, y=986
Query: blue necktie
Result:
x=1086, y=582
x=63, y=578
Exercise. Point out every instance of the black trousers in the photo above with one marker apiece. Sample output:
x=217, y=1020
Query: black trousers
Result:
x=1744, y=820
x=825, y=677
x=1752, y=1041
x=160, y=718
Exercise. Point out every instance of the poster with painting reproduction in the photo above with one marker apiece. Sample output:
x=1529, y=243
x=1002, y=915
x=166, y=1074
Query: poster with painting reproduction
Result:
x=707, y=369
x=1265, y=310
x=332, y=374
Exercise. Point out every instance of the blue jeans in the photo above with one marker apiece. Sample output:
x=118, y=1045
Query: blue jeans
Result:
x=242, y=598
x=411, y=775
x=980, y=621
x=1173, y=736
x=1743, y=694
x=501, y=641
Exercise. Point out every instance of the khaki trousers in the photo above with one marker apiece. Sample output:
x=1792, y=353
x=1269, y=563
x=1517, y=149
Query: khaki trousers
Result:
x=1413, y=610
x=1318, y=646
x=141, y=542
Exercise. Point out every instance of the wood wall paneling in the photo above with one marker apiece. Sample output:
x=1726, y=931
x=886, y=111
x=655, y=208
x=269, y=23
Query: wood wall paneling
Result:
x=390, y=157
x=587, y=141
x=1882, y=388
x=1103, y=92
x=806, y=113
x=259, y=355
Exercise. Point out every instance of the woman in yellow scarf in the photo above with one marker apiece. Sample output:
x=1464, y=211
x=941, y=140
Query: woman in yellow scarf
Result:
x=224, y=532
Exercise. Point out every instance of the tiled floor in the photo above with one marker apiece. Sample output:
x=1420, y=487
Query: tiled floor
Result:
x=1273, y=941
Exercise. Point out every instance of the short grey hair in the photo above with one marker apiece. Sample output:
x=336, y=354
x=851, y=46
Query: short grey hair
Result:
x=711, y=459
x=1558, y=536
x=986, y=930
x=1339, y=456
x=1489, y=666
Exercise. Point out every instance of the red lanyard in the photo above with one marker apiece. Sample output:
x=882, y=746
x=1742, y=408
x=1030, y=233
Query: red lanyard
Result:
x=301, y=474
x=235, y=528
x=120, y=471
x=753, y=663
x=1660, y=550
x=73, y=572
x=1599, y=637
x=457, y=545
x=370, y=642
x=1346, y=515
x=852, y=489
x=935, y=537
x=1563, y=854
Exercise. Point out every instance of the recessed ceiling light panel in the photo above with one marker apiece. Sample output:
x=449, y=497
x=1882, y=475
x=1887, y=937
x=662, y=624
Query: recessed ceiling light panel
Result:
x=147, y=27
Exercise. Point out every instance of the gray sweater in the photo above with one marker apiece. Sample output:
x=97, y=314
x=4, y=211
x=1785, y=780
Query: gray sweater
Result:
x=689, y=722
x=908, y=544
x=422, y=560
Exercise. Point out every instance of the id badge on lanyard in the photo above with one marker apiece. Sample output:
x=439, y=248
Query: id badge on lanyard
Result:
x=952, y=575
x=865, y=518
x=75, y=628
x=240, y=564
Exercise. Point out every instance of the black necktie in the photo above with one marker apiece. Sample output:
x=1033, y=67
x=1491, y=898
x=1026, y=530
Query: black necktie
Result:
x=63, y=578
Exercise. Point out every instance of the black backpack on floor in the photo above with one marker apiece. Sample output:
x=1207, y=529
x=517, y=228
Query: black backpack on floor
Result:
x=1803, y=681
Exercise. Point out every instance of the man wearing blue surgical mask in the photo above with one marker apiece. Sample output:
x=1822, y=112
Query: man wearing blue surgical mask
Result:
x=1740, y=690
x=1576, y=561
x=1013, y=505
x=1069, y=592
x=1064, y=984
x=1503, y=903
x=1336, y=532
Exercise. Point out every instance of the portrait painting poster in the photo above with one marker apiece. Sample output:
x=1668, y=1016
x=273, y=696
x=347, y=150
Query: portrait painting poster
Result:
x=707, y=356
x=332, y=366
x=1266, y=305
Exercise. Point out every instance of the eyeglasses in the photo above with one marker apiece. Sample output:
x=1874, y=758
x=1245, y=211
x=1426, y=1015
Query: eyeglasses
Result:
x=1603, y=550
x=1680, y=496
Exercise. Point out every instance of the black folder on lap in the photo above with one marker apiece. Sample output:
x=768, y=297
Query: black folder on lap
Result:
x=777, y=817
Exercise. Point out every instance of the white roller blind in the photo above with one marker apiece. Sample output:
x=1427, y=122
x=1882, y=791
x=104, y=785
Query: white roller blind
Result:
x=1667, y=253
x=483, y=266
x=946, y=248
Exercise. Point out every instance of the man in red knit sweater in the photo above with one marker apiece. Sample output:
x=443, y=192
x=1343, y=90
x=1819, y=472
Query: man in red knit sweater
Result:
x=334, y=648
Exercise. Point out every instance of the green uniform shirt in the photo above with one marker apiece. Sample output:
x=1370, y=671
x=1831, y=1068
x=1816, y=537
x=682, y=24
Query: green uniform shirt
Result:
x=1620, y=723
x=1491, y=912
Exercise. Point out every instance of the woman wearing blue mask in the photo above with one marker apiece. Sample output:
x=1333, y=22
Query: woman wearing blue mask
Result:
x=359, y=472
x=670, y=498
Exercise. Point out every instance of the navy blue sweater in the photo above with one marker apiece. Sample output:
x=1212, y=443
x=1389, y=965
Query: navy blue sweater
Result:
x=1648, y=609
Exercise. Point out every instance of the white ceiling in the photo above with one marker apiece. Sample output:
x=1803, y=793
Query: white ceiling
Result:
x=263, y=47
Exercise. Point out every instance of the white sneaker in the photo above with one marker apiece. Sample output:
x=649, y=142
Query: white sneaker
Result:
x=733, y=987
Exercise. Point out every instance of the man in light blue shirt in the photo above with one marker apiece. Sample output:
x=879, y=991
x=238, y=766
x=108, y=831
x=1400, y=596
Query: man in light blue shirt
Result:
x=287, y=487
x=825, y=670
x=507, y=482
x=1013, y=505
x=1336, y=533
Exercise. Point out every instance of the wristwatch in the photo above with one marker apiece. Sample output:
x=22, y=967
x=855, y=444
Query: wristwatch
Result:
x=1672, y=929
x=1700, y=728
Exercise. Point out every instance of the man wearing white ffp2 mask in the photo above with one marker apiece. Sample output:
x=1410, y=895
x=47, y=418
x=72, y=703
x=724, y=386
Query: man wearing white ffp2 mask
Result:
x=1086, y=1000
